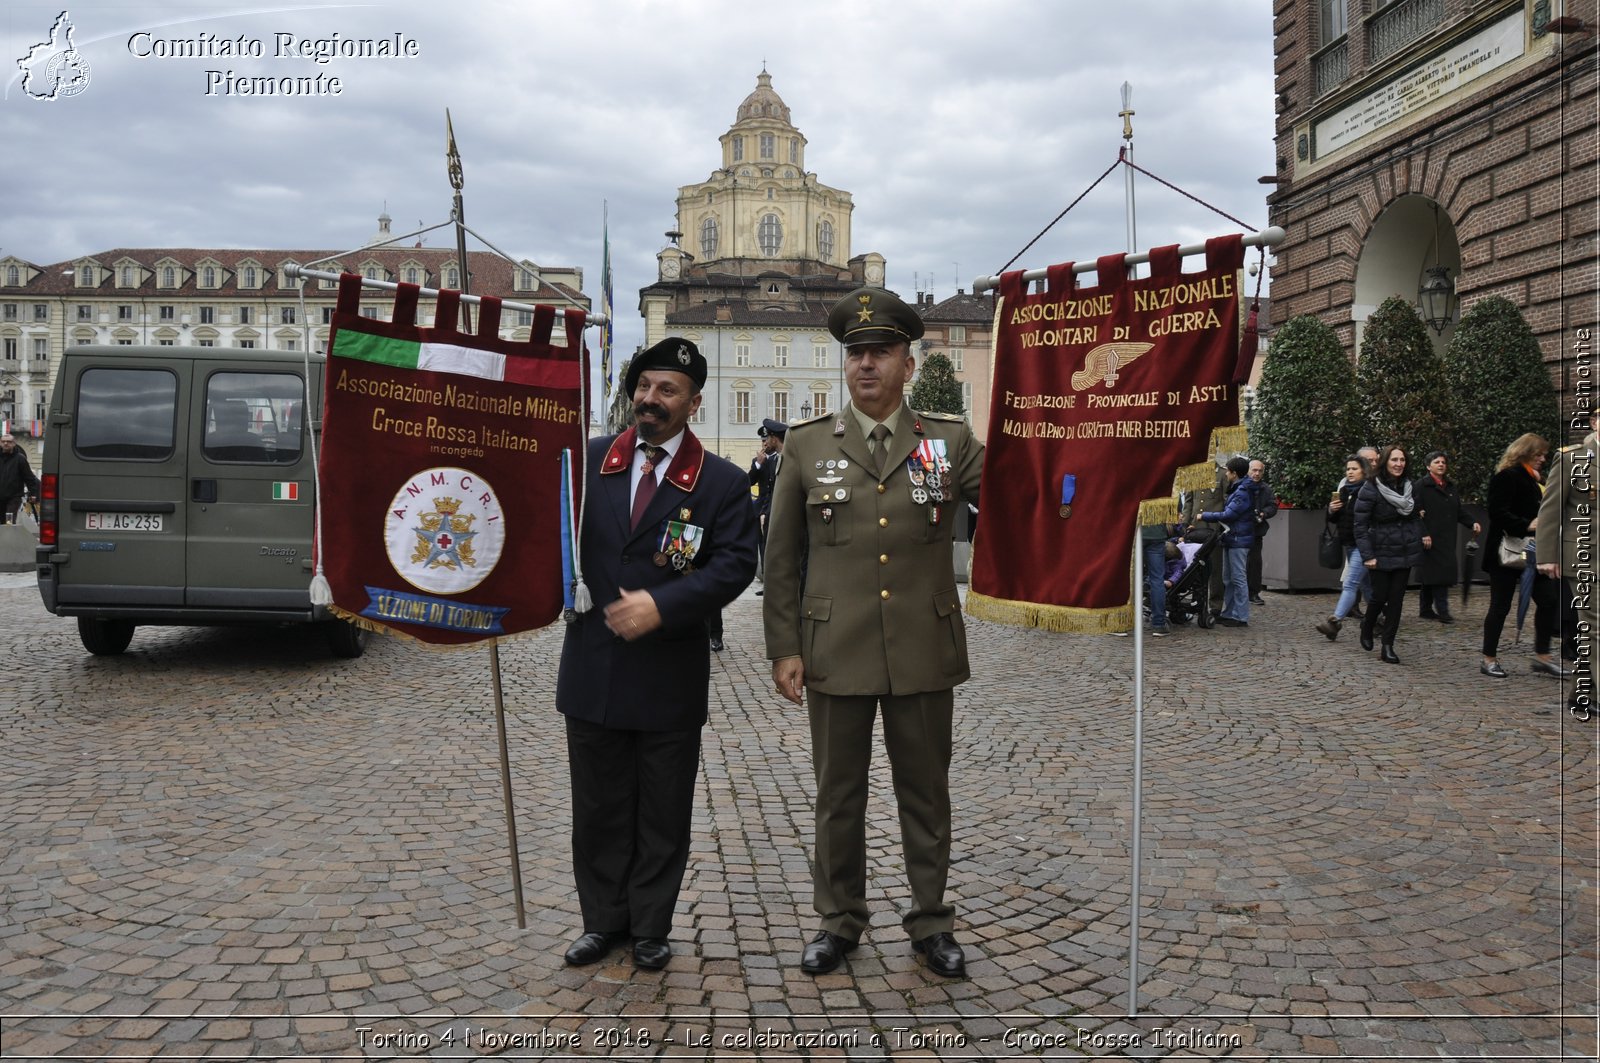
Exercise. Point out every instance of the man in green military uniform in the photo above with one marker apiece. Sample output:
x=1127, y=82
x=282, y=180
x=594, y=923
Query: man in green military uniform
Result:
x=1564, y=545
x=865, y=501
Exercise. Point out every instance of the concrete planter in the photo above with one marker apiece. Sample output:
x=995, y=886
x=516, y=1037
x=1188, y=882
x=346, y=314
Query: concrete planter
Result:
x=17, y=547
x=1289, y=553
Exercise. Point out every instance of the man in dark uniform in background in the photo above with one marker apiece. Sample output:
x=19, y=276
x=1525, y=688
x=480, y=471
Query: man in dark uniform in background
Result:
x=870, y=495
x=17, y=480
x=668, y=539
x=763, y=471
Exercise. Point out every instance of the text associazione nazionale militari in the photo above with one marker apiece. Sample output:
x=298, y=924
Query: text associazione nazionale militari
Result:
x=276, y=46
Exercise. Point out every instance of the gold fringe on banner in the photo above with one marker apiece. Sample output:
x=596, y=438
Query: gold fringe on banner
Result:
x=1059, y=618
x=1232, y=439
x=1158, y=511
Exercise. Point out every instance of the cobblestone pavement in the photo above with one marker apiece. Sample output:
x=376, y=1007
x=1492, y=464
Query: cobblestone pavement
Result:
x=225, y=844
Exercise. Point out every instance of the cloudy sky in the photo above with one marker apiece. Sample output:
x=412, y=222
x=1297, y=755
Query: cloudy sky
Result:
x=960, y=128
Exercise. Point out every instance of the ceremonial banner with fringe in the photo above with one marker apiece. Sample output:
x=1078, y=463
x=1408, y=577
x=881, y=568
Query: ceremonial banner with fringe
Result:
x=440, y=471
x=1105, y=401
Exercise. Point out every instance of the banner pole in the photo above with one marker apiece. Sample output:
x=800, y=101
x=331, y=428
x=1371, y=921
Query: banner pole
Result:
x=458, y=214
x=1138, y=766
x=1271, y=236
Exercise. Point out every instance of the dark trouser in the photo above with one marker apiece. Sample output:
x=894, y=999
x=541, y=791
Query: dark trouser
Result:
x=714, y=625
x=916, y=734
x=1503, y=595
x=1434, y=599
x=632, y=805
x=1388, y=597
x=1253, y=568
x=11, y=505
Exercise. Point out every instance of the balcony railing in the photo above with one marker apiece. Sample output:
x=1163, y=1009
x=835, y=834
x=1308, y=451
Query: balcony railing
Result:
x=1330, y=67
x=1397, y=25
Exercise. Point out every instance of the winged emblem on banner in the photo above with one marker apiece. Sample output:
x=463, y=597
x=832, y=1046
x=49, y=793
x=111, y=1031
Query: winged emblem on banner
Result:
x=1103, y=363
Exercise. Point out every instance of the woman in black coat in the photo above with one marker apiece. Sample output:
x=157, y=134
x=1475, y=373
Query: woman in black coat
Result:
x=1390, y=537
x=1514, y=494
x=1439, y=506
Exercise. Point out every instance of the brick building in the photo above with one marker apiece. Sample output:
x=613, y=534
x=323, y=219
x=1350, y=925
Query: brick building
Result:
x=962, y=329
x=1427, y=139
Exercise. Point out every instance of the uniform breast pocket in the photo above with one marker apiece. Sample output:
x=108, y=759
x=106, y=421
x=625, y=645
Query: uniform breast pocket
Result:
x=828, y=515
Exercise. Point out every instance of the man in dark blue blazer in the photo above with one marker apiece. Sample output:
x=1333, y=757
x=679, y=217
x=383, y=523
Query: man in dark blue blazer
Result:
x=668, y=539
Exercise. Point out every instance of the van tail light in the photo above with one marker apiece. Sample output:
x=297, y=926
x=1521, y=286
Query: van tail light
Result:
x=49, y=495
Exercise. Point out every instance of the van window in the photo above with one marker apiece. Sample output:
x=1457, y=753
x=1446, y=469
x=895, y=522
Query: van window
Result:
x=126, y=413
x=254, y=417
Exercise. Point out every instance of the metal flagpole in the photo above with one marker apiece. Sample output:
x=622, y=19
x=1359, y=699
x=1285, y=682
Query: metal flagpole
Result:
x=1138, y=622
x=459, y=217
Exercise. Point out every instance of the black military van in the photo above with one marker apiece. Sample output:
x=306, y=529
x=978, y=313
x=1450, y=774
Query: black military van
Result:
x=177, y=488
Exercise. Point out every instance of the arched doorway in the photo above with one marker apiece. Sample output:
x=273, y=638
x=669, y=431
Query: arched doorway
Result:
x=1412, y=234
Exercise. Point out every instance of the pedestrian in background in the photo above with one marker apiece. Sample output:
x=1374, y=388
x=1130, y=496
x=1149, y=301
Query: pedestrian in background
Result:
x=1390, y=538
x=16, y=477
x=1266, y=507
x=1565, y=549
x=1342, y=514
x=1237, y=517
x=1515, y=491
x=668, y=539
x=1439, y=506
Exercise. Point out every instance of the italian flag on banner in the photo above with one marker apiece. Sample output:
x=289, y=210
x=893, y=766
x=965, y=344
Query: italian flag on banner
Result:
x=441, y=469
x=1106, y=400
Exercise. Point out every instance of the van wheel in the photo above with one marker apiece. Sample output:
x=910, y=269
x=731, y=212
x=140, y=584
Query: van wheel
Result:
x=346, y=639
x=105, y=637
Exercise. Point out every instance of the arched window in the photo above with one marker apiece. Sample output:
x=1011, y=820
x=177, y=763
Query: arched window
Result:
x=86, y=278
x=825, y=239
x=127, y=276
x=708, y=238
x=209, y=277
x=169, y=277
x=411, y=275
x=372, y=273
x=249, y=276
x=13, y=276
x=452, y=279
x=770, y=235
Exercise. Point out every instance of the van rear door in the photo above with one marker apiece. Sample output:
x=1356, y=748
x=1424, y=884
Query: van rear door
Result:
x=249, y=495
x=122, y=470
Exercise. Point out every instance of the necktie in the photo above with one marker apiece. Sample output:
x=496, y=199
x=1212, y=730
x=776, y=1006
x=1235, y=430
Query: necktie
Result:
x=879, y=437
x=647, y=482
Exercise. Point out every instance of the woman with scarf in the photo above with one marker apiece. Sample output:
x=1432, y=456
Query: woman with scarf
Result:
x=1390, y=537
x=1514, y=494
x=1439, y=506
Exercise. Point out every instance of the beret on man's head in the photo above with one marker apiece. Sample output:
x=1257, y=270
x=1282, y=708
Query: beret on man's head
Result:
x=675, y=353
x=872, y=315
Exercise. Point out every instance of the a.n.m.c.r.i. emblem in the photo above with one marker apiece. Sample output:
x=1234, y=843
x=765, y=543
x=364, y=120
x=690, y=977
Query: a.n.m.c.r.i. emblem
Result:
x=444, y=531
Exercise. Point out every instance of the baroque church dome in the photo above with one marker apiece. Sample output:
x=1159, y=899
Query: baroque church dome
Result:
x=764, y=102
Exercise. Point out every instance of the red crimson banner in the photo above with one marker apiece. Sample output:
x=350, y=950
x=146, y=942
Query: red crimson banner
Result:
x=1100, y=397
x=440, y=470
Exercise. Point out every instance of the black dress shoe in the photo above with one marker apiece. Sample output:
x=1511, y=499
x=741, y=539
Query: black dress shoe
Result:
x=593, y=947
x=1366, y=640
x=716, y=645
x=1388, y=654
x=944, y=955
x=1445, y=618
x=651, y=953
x=824, y=953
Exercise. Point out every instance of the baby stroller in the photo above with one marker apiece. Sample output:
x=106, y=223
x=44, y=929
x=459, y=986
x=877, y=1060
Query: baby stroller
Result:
x=1190, y=596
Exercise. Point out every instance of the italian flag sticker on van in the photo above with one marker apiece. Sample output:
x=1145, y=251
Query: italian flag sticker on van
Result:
x=285, y=492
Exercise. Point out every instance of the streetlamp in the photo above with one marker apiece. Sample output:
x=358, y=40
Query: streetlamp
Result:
x=1436, y=296
x=805, y=410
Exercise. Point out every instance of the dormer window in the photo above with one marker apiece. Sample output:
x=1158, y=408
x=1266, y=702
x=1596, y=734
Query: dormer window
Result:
x=127, y=276
x=169, y=277
x=411, y=275
x=208, y=277
x=452, y=279
x=249, y=277
x=13, y=277
x=86, y=277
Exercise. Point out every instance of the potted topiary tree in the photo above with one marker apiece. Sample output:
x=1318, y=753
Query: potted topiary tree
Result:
x=1304, y=421
x=1499, y=389
x=1401, y=384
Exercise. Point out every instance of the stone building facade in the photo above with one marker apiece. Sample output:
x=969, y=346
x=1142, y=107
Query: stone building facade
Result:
x=760, y=252
x=1439, y=137
x=215, y=297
